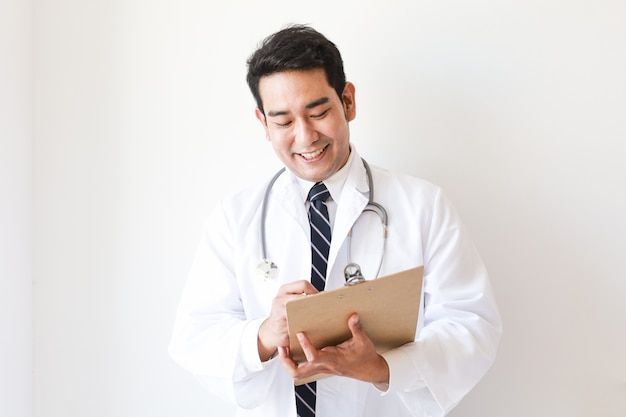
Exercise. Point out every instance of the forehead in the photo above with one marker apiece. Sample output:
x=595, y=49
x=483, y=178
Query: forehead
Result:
x=293, y=88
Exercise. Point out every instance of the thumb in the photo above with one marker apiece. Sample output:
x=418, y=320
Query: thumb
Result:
x=354, y=324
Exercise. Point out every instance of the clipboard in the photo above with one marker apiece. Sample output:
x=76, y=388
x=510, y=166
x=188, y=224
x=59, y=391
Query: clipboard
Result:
x=388, y=309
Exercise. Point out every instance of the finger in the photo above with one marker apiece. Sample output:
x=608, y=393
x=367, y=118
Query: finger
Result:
x=297, y=288
x=307, y=347
x=283, y=352
x=354, y=324
x=284, y=356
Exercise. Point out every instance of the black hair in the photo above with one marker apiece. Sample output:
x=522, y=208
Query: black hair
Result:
x=296, y=47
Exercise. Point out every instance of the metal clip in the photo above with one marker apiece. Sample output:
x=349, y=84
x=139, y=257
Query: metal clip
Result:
x=353, y=274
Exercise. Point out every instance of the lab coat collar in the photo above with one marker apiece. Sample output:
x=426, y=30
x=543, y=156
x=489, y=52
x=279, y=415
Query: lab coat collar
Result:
x=334, y=184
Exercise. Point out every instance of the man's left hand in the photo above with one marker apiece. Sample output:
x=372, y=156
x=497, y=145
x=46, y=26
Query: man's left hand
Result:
x=355, y=358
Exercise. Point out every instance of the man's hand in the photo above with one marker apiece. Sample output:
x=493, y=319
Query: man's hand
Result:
x=273, y=332
x=355, y=358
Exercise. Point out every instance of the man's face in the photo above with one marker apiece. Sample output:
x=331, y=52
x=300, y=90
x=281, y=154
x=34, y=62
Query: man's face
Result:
x=306, y=122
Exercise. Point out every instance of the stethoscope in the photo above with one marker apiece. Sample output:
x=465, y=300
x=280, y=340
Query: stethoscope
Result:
x=268, y=270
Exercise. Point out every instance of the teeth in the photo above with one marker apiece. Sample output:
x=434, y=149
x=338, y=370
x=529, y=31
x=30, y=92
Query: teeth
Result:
x=312, y=155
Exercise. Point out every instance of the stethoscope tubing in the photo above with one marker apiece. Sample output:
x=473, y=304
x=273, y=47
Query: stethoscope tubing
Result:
x=371, y=206
x=264, y=213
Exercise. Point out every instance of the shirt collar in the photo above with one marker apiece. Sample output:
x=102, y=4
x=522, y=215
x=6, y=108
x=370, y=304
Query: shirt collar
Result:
x=334, y=183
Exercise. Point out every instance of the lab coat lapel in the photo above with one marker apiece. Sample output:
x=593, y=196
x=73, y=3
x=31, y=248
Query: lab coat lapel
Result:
x=350, y=205
x=288, y=197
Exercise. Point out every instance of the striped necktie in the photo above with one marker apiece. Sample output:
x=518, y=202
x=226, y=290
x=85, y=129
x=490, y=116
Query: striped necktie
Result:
x=320, y=246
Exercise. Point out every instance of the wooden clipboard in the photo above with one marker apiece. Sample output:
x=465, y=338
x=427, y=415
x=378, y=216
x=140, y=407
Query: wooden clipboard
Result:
x=388, y=308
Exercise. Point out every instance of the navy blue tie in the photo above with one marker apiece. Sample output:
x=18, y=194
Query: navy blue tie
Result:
x=320, y=246
x=320, y=234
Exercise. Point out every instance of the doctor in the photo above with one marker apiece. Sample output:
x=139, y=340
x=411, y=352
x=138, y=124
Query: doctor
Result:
x=231, y=331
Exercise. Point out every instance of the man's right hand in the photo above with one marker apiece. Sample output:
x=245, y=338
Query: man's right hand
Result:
x=274, y=331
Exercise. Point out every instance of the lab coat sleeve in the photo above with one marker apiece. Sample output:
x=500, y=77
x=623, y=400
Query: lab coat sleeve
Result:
x=213, y=337
x=462, y=326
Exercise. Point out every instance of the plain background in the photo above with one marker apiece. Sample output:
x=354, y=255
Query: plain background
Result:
x=122, y=122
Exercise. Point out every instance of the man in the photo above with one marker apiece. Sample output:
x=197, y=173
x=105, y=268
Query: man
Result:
x=231, y=329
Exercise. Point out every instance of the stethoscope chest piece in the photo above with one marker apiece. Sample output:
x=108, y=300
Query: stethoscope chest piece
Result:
x=267, y=270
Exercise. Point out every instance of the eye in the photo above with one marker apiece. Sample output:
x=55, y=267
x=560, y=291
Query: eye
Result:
x=320, y=115
x=283, y=124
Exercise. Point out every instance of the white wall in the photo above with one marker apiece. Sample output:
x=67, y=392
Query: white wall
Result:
x=15, y=209
x=516, y=108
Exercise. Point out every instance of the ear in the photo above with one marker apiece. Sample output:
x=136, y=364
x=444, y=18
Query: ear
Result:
x=349, y=103
x=261, y=117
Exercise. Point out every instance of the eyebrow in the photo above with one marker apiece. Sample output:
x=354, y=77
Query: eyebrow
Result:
x=313, y=104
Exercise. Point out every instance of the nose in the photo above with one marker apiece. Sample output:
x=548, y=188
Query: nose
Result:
x=306, y=133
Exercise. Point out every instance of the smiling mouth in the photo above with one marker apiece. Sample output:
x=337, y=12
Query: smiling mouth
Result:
x=313, y=155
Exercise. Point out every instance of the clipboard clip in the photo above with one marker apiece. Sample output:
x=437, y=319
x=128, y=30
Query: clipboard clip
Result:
x=353, y=274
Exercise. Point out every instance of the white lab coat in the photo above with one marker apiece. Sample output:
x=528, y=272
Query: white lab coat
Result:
x=224, y=301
